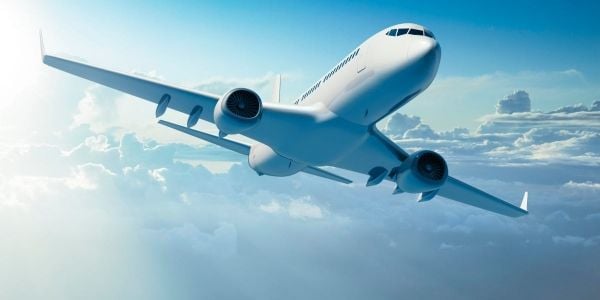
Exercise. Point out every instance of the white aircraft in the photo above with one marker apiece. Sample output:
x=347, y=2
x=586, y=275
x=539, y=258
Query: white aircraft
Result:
x=331, y=124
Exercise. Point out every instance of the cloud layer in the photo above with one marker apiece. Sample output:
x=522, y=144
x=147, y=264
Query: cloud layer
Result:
x=101, y=213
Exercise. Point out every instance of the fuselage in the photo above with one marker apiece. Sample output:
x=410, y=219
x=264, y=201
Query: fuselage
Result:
x=339, y=111
x=382, y=74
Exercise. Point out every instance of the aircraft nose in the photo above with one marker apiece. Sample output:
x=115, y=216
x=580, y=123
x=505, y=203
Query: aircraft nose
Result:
x=426, y=48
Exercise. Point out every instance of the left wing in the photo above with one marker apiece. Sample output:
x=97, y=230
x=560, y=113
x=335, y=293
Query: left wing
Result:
x=384, y=153
x=457, y=190
x=180, y=99
x=245, y=149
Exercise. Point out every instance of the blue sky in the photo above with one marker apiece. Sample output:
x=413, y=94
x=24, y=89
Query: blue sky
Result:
x=189, y=42
x=97, y=201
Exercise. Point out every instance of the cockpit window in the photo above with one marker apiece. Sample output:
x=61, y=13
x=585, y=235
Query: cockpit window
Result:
x=415, y=31
x=412, y=31
x=402, y=31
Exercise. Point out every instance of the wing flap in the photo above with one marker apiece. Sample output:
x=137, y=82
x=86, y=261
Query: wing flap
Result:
x=457, y=190
x=180, y=99
x=219, y=141
x=245, y=149
x=325, y=174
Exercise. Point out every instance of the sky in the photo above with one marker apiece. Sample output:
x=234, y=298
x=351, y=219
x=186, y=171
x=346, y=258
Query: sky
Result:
x=98, y=201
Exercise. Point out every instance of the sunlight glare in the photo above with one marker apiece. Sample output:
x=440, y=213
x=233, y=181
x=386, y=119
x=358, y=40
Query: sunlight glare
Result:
x=19, y=53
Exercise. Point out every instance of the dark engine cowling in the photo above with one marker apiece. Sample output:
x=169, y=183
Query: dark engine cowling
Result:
x=238, y=110
x=422, y=171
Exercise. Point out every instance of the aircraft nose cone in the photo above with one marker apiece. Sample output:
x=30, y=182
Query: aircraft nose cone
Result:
x=426, y=48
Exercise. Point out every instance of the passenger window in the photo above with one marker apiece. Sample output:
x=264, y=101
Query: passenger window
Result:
x=416, y=32
x=402, y=31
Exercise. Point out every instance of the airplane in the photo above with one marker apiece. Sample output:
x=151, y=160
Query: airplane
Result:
x=332, y=124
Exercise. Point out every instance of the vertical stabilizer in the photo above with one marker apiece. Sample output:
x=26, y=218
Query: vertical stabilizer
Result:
x=277, y=89
x=42, y=48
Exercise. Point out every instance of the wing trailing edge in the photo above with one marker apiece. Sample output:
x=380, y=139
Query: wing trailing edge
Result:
x=244, y=149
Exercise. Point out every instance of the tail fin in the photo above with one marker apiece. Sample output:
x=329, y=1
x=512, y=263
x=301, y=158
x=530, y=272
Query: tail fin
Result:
x=277, y=89
x=42, y=48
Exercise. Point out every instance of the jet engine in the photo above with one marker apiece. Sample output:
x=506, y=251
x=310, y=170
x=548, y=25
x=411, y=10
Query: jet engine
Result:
x=422, y=171
x=238, y=110
x=265, y=161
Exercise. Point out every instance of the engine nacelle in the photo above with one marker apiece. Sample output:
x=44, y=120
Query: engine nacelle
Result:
x=422, y=171
x=238, y=110
x=265, y=160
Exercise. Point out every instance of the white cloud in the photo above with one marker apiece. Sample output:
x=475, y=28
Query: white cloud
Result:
x=88, y=176
x=454, y=101
x=568, y=240
x=271, y=207
x=516, y=102
x=302, y=209
x=162, y=220
x=588, y=185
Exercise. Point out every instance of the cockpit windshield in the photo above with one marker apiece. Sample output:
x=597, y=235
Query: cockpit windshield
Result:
x=412, y=31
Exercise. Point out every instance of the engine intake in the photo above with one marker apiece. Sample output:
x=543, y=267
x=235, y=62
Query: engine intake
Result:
x=243, y=103
x=238, y=110
x=422, y=171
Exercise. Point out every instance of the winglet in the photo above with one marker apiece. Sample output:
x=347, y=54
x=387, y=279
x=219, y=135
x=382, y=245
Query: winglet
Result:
x=42, y=48
x=524, y=202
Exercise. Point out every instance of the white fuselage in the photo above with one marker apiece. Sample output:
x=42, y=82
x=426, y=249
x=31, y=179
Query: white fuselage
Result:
x=385, y=74
x=338, y=111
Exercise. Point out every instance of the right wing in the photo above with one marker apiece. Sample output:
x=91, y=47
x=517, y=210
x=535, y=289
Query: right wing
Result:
x=177, y=98
x=245, y=149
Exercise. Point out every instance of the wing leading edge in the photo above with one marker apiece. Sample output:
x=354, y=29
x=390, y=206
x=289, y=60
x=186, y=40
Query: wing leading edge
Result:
x=180, y=99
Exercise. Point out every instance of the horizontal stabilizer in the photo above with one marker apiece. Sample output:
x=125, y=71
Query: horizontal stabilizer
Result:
x=245, y=149
x=457, y=190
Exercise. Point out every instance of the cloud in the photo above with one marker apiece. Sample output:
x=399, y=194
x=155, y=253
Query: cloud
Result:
x=422, y=131
x=142, y=206
x=516, y=102
x=245, y=230
x=570, y=240
x=221, y=243
x=588, y=185
x=512, y=140
x=400, y=123
x=577, y=108
x=302, y=209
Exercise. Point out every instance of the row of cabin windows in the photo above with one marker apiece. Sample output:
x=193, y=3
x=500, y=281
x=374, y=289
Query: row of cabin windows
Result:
x=312, y=89
x=337, y=68
x=403, y=31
